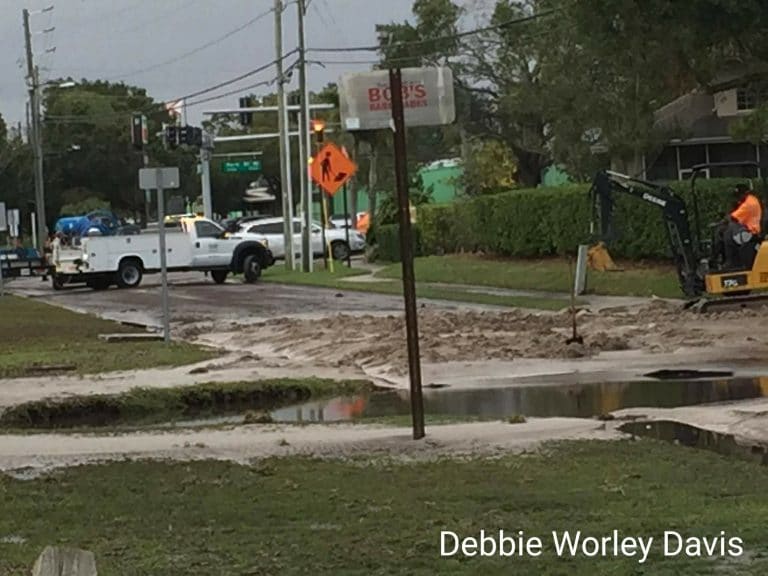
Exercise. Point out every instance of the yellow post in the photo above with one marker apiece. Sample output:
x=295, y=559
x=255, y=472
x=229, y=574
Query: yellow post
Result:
x=328, y=243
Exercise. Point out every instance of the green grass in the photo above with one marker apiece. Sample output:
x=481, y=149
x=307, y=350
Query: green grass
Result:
x=298, y=516
x=146, y=406
x=34, y=334
x=325, y=279
x=551, y=275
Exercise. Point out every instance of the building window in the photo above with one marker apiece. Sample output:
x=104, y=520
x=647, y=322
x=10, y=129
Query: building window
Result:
x=690, y=156
x=735, y=152
x=663, y=168
x=752, y=96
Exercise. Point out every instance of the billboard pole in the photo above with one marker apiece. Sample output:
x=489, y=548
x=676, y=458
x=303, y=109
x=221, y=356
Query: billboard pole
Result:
x=406, y=253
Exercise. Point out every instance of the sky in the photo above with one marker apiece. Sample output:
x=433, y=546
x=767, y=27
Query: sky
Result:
x=133, y=40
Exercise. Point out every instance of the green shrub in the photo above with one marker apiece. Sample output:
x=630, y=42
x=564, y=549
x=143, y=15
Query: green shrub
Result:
x=552, y=221
x=388, y=242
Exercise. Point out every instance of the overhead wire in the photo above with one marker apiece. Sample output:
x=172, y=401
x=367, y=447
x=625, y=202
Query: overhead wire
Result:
x=457, y=36
x=240, y=90
x=159, y=105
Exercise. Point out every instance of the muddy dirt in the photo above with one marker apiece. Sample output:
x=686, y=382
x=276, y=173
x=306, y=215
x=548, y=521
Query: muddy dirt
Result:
x=376, y=341
x=30, y=455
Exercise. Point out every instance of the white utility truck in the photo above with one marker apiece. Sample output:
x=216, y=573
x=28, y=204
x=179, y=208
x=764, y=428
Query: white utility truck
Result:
x=192, y=244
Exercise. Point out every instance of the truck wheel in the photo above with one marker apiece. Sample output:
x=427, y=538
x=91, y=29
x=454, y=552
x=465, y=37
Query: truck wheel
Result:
x=58, y=281
x=129, y=273
x=219, y=276
x=339, y=250
x=251, y=268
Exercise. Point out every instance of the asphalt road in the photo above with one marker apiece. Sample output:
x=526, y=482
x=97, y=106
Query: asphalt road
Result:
x=194, y=298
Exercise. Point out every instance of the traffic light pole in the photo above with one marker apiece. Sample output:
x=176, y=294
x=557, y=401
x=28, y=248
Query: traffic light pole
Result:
x=205, y=175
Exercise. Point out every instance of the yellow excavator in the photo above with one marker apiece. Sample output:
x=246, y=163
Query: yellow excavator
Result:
x=703, y=277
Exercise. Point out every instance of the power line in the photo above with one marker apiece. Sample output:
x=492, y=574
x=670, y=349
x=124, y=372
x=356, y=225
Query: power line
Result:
x=249, y=87
x=194, y=51
x=456, y=36
x=236, y=79
x=158, y=106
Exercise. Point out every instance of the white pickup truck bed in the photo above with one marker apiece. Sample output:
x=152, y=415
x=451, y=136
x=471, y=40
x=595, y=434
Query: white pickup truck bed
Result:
x=198, y=244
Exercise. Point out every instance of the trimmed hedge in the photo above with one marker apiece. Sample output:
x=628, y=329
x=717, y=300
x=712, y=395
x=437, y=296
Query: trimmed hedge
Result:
x=551, y=221
x=388, y=242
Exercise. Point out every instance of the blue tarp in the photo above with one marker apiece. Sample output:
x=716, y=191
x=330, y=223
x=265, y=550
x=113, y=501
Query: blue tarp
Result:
x=106, y=222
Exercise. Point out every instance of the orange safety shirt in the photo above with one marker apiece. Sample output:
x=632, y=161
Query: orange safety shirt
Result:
x=749, y=214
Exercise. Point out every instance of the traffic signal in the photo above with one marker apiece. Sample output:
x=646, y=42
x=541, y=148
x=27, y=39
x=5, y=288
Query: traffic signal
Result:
x=185, y=134
x=318, y=127
x=139, y=131
x=172, y=136
x=190, y=136
x=246, y=117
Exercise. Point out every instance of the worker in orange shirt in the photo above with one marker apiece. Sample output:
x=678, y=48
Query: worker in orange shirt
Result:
x=742, y=228
x=364, y=223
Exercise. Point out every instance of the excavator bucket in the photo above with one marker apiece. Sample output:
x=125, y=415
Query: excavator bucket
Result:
x=599, y=259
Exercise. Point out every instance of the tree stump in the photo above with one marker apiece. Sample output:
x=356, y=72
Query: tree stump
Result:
x=59, y=561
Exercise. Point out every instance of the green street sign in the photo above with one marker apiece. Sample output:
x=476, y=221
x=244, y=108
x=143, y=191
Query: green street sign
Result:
x=241, y=166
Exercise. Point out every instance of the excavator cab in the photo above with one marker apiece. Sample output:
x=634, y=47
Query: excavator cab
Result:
x=752, y=272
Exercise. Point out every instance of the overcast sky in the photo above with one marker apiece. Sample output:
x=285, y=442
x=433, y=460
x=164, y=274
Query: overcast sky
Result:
x=116, y=39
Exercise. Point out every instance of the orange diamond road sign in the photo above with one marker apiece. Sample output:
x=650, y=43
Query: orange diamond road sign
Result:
x=331, y=169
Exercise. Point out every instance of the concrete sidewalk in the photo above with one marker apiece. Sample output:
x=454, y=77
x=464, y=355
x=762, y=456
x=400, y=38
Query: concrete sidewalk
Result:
x=593, y=301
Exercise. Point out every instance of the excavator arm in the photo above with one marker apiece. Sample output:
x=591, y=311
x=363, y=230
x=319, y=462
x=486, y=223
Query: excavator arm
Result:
x=674, y=212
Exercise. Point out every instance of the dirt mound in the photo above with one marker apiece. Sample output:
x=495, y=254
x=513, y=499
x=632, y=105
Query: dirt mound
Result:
x=368, y=340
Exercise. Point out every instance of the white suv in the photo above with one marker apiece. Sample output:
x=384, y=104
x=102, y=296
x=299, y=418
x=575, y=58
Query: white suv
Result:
x=272, y=230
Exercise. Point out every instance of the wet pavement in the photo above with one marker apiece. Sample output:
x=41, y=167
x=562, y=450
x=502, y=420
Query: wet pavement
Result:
x=193, y=298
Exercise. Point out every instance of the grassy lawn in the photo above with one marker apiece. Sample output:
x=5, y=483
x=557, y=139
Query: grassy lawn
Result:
x=33, y=334
x=325, y=279
x=297, y=516
x=143, y=406
x=548, y=275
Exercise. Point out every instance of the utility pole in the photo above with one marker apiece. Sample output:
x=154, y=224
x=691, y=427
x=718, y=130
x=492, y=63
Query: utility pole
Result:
x=205, y=174
x=307, y=259
x=35, y=136
x=289, y=171
x=283, y=129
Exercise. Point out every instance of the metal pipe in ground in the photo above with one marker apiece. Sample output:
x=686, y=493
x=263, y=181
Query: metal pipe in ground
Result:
x=163, y=259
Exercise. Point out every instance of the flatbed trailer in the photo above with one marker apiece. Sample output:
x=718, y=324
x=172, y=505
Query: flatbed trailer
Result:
x=19, y=262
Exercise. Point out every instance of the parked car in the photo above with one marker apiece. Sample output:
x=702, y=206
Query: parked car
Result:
x=340, y=221
x=272, y=230
x=232, y=225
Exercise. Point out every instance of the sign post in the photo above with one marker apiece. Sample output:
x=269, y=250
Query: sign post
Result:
x=159, y=179
x=347, y=223
x=332, y=169
x=406, y=253
x=13, y=222
x=395, y=99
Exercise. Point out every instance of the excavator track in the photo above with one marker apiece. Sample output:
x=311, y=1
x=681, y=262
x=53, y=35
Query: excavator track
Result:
x=704, y=305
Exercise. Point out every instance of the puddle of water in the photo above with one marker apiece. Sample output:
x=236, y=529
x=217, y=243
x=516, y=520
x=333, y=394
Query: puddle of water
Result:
x=577, y=401
x=694, y=437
